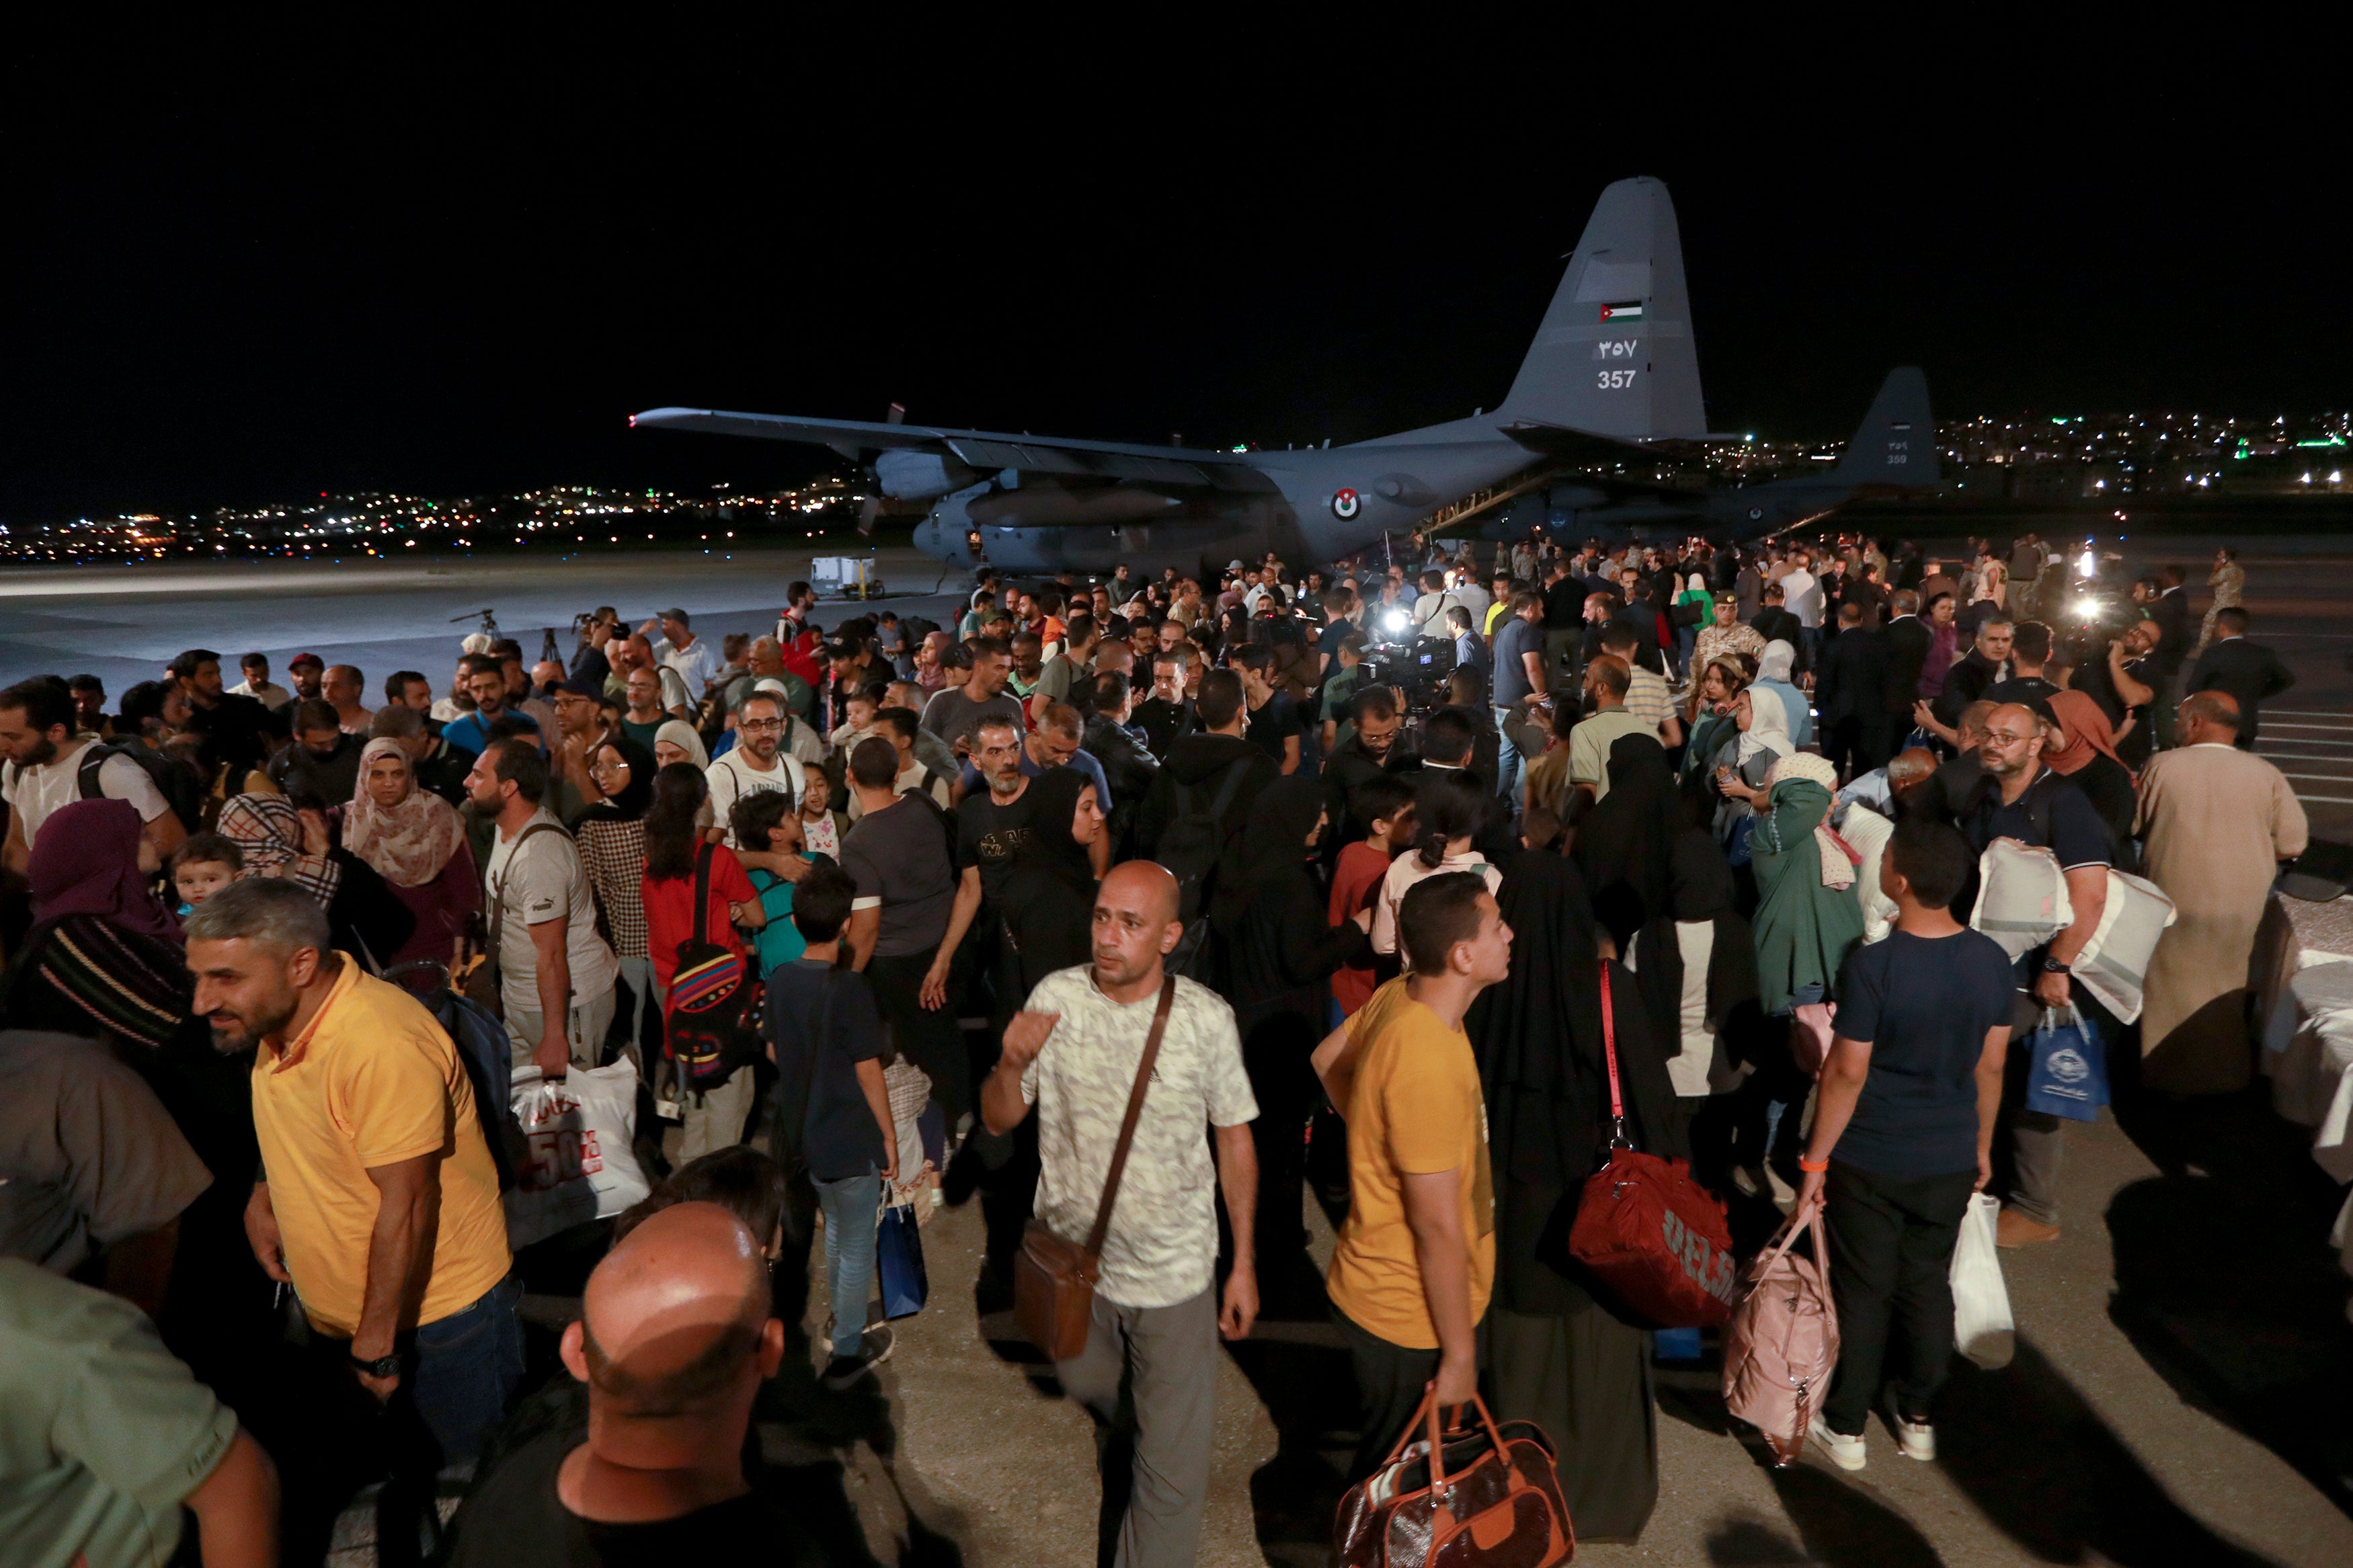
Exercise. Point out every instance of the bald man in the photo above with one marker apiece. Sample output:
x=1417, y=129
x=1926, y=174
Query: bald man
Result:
x=674, y=1340
x=1075, y=1052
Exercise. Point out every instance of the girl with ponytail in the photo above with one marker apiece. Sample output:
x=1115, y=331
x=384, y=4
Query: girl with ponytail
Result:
x=1447, y=816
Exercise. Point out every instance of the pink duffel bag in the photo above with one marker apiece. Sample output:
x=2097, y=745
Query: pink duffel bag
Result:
x=1783, y=1341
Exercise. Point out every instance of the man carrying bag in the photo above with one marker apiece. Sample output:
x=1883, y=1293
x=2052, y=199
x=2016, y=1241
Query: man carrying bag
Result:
x=1124, y=1076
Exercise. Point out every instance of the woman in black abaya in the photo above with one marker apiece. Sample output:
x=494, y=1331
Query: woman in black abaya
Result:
x=1712, y=1027
x=1049, y=895
x=1621, y=843
x=1556, y=1354
x=1272, y=914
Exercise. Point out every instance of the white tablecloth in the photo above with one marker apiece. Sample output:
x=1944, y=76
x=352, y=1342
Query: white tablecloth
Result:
x=2308, y=1041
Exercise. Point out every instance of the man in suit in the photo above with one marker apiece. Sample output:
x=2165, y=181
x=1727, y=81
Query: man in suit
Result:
x=2168, y=603
x=2253, y=675
x=1850, y=691
x=1907, y=653
x=1775, y=624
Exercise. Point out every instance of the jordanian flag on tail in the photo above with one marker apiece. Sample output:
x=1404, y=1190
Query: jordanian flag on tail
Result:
x=1632, y=311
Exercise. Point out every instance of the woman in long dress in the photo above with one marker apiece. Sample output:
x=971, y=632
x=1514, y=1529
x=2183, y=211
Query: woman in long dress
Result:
x=1556, y=1353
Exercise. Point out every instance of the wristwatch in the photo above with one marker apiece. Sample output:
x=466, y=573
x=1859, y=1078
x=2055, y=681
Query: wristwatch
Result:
x=2056, y=966
x=382, y=1366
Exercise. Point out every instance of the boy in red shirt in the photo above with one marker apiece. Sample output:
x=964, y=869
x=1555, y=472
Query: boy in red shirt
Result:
x=1386, y=803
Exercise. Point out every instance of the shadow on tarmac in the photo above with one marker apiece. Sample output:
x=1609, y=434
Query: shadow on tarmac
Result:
x=2224, y=1281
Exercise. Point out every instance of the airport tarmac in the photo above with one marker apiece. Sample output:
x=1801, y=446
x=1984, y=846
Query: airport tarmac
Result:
x=2184, y=1366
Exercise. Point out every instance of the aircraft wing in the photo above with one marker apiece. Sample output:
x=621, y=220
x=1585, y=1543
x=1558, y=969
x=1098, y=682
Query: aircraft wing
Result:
x=1184, y=468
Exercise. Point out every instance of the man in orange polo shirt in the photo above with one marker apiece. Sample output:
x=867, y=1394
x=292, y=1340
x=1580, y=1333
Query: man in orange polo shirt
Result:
x=369, y=1136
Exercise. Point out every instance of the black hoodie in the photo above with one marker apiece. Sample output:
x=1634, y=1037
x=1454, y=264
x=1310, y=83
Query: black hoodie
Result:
x=1198, y=762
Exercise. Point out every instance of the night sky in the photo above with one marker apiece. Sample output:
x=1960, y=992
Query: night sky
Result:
x=250, y=268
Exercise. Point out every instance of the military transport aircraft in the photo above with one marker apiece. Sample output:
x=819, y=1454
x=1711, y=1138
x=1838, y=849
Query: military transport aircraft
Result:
x=1612, y=377
x=1894, y=451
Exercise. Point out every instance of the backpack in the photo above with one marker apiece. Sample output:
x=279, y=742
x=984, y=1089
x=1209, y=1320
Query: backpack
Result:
x=172, y=780
x=922, y=791
x=484, y=1051
x=715, y=997
x=1190, y=848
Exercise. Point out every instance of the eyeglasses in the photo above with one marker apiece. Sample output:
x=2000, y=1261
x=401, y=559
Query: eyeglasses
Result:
x=759, y=726
x=2004, y=738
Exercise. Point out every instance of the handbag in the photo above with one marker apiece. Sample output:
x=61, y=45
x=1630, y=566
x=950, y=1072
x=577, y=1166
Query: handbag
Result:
x=481, y=985
x=1490, y=1494
x=1054, y=1280
x=712, y=1028
x=2066, y=1069
x=1655, y=1238
x=1783, y=1344
x=899, y=1262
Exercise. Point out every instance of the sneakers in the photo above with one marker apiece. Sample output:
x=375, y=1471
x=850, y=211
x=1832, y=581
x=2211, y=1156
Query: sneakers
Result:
x=2014, y=1230
x=844, y=1372
x=1917, y=1438
x=1846, y=1453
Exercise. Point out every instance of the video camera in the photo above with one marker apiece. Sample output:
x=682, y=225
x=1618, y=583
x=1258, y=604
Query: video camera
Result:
x=1418, y=668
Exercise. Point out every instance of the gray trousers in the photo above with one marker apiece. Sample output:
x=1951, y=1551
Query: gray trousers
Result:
x=591, y=1017
x=1149, y=1373
x=2036, y=1141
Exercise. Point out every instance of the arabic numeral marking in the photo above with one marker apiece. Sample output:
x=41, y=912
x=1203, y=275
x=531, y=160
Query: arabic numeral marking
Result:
x=1613, y=378
x=1895, y=459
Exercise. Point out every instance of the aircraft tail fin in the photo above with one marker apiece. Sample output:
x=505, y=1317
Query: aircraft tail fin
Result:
x=1896, y=443
x=1615, y=355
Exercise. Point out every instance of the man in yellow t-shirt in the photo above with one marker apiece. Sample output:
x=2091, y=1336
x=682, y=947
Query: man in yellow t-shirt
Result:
x=372, y=1154
x=1415, y=1261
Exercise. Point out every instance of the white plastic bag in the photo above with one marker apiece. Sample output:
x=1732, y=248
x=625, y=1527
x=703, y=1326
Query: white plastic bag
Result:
x=578, y=1166
x=1982, y=1330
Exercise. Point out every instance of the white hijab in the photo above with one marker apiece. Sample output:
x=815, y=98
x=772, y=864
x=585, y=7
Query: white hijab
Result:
x=1769, y=724
x=1775, y=663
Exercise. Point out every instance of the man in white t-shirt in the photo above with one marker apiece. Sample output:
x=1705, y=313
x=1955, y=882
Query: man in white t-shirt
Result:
x=257, y=683
x=755, y=763
x=555, y=974
x=1802, y=593
x=44, y=772
x=1074, y=1052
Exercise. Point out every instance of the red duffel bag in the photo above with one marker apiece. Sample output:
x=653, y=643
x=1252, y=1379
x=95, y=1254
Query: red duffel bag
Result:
x=1655, y=1239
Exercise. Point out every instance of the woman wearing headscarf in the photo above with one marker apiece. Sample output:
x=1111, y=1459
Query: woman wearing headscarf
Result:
x=612, y=838
x=1762, y=739
x=712, y=1118
x=105, y=961
x=1696, y=964
x=1807, y=921
x=1555, y=1353
x=417, y=844
x=1272, y=914
x=676, y=742
x=363, y=917
x=1049, y=896
x=1621, y=843
x=2083, y=748
x=1773, y=673
x=103, y=957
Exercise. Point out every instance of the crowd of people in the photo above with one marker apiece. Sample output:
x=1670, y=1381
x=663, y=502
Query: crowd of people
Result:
x=1404, y=891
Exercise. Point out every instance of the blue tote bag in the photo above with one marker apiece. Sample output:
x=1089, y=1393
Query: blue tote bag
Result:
x=2067, y=1073
x=899, y=1260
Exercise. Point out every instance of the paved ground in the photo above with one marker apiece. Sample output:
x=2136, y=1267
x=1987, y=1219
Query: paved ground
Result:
x=2184, y=1365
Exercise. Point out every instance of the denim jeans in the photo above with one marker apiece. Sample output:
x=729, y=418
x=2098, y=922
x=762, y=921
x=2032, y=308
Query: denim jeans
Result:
x=1508, y=761
x=467, y=1367
x=853, y=1209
